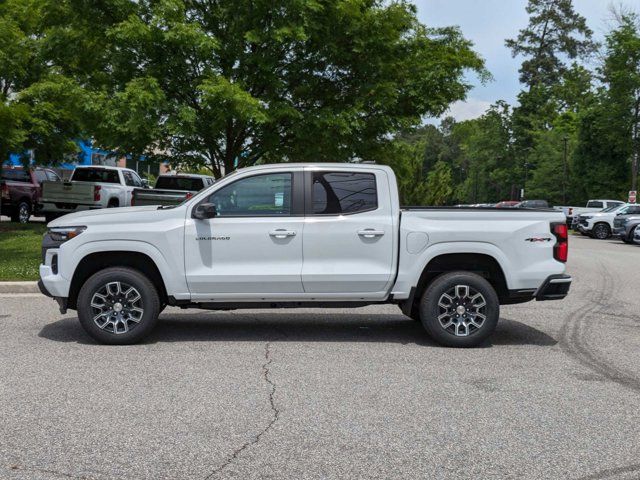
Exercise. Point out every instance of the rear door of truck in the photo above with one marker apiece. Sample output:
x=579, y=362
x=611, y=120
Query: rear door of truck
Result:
x=348, y=234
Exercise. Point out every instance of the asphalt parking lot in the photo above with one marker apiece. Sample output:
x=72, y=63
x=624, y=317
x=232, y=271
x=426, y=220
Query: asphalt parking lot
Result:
x=332, y=394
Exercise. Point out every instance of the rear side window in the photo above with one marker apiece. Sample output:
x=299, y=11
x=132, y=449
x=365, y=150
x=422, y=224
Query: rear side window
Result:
x=179, y=183
x=336, y=193
x=595, y=205
x=17, y=175
x=99, y=175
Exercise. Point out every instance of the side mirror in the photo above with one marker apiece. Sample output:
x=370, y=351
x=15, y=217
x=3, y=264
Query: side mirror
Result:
x=204, y=211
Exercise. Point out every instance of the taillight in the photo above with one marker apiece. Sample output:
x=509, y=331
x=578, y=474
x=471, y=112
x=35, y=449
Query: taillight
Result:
x=561, y=248
x=96, y=193
x=189, y=195
x=570, y=211
x=5, y=191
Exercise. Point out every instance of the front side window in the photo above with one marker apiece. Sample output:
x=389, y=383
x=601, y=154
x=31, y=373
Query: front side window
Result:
x=41, y=176
x=595, y=205
x=52, y=176
x=337, y=193
x=258, y=196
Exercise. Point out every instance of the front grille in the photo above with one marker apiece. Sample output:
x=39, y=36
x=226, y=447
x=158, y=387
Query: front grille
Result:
x=618, y=222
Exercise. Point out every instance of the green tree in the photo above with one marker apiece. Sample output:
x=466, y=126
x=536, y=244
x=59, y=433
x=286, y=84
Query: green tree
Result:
x=621, y=75
x=439, y=185
x=555, y=32
x=238, y=82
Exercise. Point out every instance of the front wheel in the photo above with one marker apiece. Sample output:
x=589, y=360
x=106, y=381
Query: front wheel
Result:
x=459, y=309
x=601, y=231
x=118, y=306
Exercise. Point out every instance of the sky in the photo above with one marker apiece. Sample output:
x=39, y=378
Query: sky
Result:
x=487, y=23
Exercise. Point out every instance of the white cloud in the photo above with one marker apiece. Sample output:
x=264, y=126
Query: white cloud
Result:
x=468, y=109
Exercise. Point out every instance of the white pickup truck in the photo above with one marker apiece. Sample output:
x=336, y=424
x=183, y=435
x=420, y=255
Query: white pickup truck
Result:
x=90, y=187
x=303, y=235
x=593, y=206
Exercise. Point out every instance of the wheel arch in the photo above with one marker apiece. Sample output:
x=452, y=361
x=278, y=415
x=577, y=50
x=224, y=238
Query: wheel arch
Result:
x=96, y=261
x=483, y=264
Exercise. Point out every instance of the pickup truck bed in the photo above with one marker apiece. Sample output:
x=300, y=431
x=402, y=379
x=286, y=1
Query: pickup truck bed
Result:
x=304, y=234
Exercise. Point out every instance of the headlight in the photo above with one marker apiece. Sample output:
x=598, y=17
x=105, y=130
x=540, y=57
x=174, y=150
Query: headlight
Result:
x=62, y=234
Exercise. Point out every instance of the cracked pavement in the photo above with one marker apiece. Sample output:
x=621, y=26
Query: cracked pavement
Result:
x=332, y=393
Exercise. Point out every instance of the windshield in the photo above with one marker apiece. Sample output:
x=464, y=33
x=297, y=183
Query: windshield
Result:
x=611, y=209
x=179, y=183
x=98, y=175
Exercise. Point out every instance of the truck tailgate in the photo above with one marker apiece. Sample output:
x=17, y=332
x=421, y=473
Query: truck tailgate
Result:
x=146, y=196
x=68, y=192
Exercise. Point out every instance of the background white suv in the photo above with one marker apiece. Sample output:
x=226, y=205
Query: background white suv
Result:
x=600, y=224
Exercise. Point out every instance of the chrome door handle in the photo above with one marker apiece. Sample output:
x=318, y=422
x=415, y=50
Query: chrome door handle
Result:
x=282, y=233
x=370, y=233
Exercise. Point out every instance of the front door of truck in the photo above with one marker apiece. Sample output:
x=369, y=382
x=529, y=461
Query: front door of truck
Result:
x=349, y=232
x=254, y=243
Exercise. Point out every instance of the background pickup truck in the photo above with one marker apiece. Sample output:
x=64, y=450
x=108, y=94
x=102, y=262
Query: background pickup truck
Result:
x=171, y=189
x=572, y=213
x=21, y=191
x=299, y=235
x=90, y=188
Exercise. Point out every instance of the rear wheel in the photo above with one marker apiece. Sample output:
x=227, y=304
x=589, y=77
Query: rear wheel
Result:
x=601, y=231
x=118, y=306
x=460, y=309
x=22, y=213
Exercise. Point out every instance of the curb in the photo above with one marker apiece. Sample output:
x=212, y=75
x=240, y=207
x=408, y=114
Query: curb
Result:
x=19, y=287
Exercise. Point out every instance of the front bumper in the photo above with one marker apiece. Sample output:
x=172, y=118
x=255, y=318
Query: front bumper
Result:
x=62, y=301
x=555, y=287
x=619, y=231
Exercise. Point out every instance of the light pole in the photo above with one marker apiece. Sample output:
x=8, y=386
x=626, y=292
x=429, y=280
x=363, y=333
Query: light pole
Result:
x=524, y=183
x=565, y=139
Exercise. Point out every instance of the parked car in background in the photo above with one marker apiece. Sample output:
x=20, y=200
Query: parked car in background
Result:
x=532, y=204
x=600, y=224
x=625, y=226
x=507, y=204
x=592, y=206
x=171, y=189
x=21, y=191
x=89, y=188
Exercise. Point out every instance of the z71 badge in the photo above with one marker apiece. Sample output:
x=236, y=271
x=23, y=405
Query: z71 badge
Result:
x=537, y=239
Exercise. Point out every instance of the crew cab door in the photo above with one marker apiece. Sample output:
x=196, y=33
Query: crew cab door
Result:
x=252, y=248
x=349, y=232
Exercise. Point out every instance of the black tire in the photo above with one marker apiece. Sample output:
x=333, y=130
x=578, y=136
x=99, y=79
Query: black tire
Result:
x=477, y=330
x=629, y=238
x=22, y=212
x=601, y=231
x=130, y=331
x=113, y=203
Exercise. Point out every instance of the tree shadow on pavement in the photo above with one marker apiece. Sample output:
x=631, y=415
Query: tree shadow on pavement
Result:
x=297, y=327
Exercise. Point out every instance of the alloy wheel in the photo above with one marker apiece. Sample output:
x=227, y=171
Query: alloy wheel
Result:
x=462, y=310
x=23, y=213
x=117, y=307
x=601, y=232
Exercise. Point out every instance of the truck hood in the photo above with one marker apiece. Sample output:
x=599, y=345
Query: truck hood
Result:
x=108, y=215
